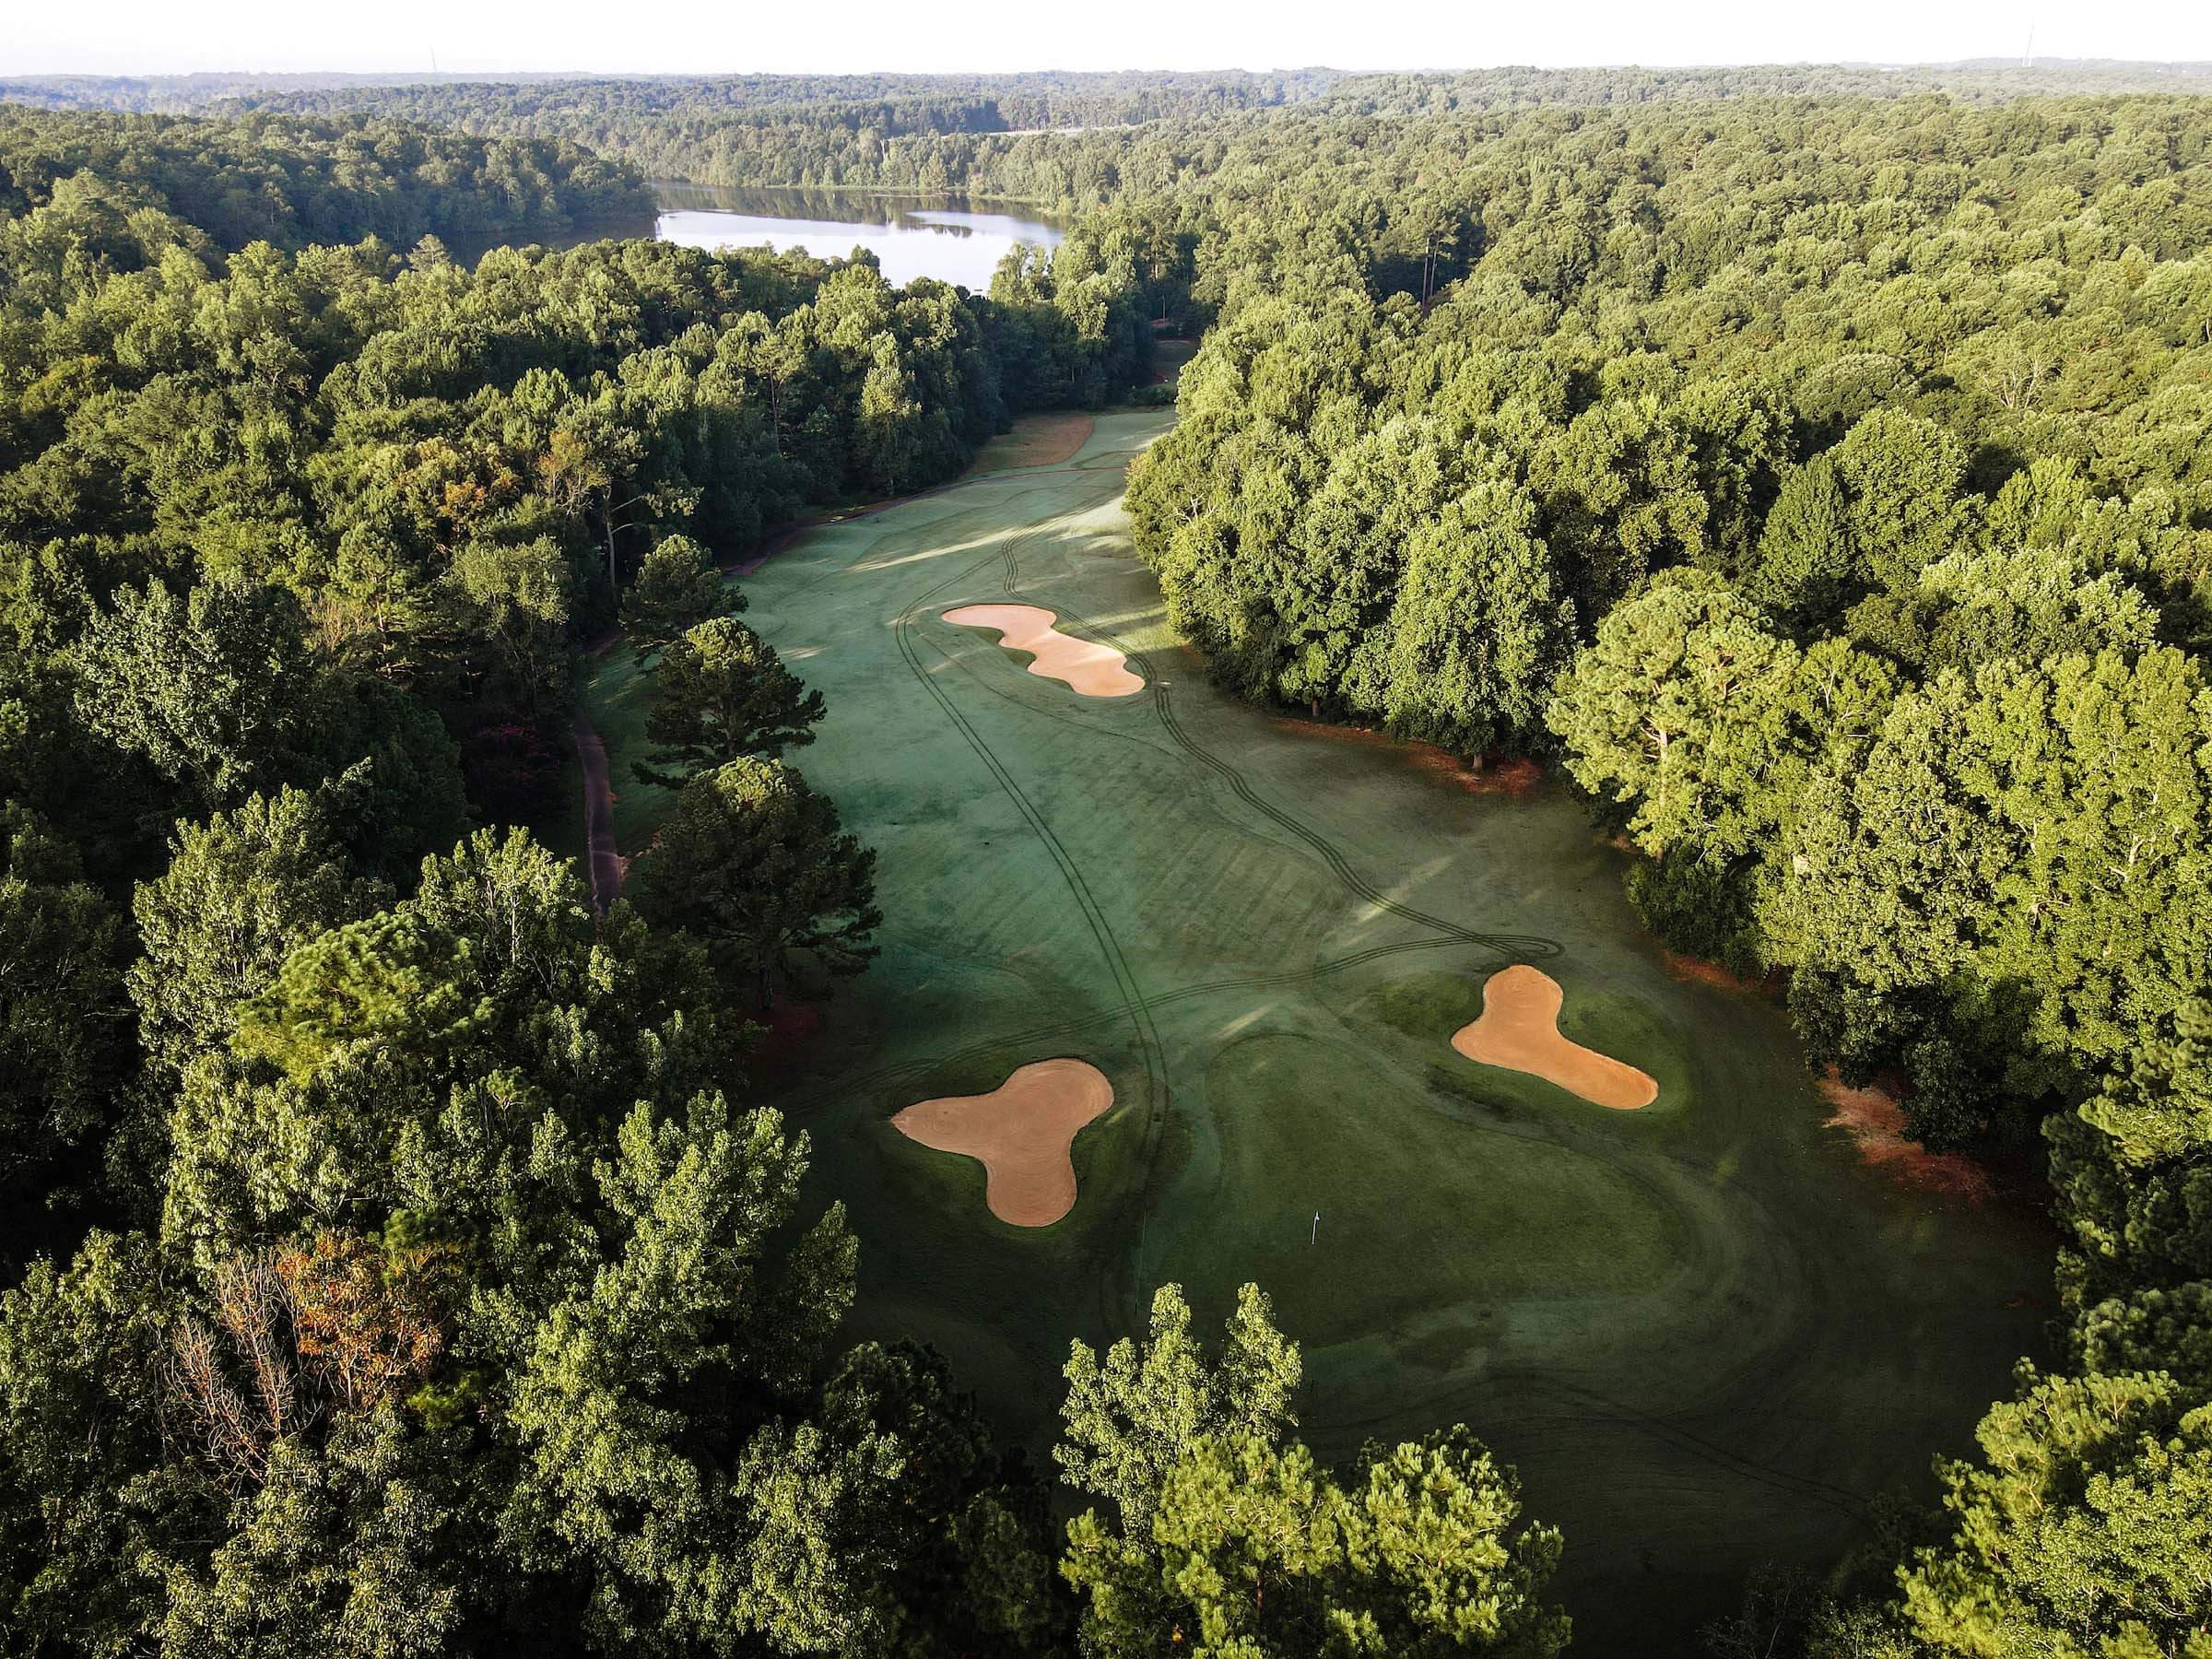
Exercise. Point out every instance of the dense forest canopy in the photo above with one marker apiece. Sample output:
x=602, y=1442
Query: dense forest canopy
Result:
x=394, y=1268
x=273, y=508
x=69, y=183
x=1815, y=466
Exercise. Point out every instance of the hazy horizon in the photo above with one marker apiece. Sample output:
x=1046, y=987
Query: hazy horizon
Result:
x=508, y=39
x=394, y=75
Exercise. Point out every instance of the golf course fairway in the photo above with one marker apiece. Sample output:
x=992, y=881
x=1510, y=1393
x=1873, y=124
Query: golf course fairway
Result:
x=1707, y=1331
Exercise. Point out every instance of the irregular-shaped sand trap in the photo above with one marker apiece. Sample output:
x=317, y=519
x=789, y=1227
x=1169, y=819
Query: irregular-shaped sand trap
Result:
x=1520, y=1031
x=1091, y=669
x=1020, y=1132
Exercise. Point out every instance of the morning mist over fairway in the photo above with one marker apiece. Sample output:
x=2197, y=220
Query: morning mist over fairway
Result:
x=1084, y=864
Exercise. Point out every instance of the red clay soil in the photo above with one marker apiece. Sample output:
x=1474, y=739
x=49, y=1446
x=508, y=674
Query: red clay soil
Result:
x=1876, y=1123
x=1697, y=971
x=1021, y=1133
x=1512, y=778
x=1520, y=1031
x=602, y=860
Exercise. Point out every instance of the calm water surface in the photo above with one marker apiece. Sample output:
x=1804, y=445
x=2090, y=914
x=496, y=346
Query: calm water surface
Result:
x=910, y=236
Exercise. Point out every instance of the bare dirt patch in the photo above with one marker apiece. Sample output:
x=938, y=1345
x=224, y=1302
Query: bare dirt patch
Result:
x=1087, y=667
x=1876, y=1123
x=1021, y=1133
x=1036, y=440
x=1520, y=1031
x=1697, y=971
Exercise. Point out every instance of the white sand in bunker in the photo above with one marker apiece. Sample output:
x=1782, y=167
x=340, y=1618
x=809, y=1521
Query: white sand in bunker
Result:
x=1021, y=1133
x=1520, y=1031
x=1094, y=670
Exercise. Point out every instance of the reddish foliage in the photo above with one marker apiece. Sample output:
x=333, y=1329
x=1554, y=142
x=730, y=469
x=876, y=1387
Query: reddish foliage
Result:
x=365, y=1326
x=333, y=1321
x=513, y=771
x=785, y=1028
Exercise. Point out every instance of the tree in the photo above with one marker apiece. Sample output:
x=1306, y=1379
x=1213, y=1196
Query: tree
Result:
x=1227, y=1539
x=64, y=1043
x=753, y=863
x=2085, y=1529
x=1126, y=1420
x=406, y=1061
x=241, y=891
x=1974, y=607
x=723, y=695
x=1803, y=569
x=1261, y=1553
x=2012, y=873
x=1904, y=478
x=81, y=1349
x=956, y=1555
x=1676, y=711
x=514, y=598
x=210, y=688
x=614, y=1371
x=1478, y=633
x=677, y=588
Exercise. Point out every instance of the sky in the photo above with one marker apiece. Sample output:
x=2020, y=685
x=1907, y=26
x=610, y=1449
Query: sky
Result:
x=123, y=37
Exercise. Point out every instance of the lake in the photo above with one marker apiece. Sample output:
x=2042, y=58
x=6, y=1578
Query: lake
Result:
x=911, y=236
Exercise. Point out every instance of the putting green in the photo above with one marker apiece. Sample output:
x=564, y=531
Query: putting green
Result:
x=1706, y=1332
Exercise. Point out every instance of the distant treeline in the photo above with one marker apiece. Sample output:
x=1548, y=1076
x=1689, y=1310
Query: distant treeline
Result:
x=1009, y=137
x=963, y=102
x=830, y=130
x=187, y=94
x=224, y=184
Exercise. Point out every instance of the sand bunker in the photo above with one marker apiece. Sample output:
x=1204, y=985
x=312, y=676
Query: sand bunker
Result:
x=1520, y=1031
x=1093, y=670
x=1020, y=1132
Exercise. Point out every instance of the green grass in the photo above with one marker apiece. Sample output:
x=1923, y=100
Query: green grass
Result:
x=616, y=699
x=1704, y=1333
x=1433, y=1213
x=1425, y=1005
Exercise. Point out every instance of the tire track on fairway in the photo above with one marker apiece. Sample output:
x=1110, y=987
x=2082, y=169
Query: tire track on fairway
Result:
x=1157, y=1099
x=1166, y=1000
x=1516, y=948
x=1600, y=1406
